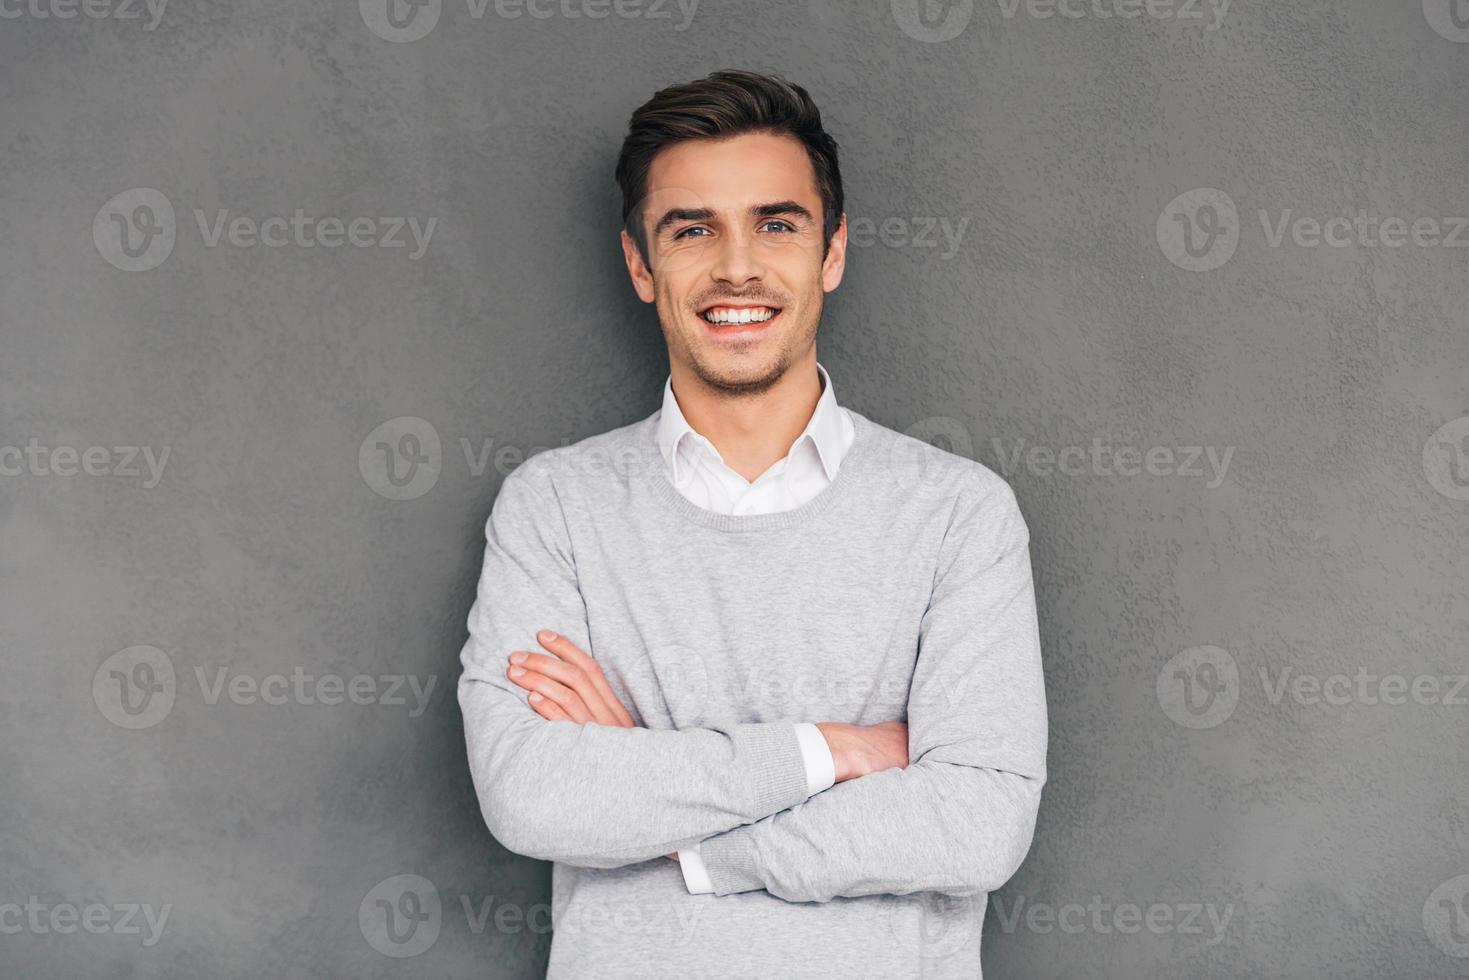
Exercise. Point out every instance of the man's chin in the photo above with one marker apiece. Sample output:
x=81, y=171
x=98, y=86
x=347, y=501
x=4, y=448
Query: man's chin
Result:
x=738, y=373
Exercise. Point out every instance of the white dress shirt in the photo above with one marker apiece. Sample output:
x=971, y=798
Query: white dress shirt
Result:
x=696, y=469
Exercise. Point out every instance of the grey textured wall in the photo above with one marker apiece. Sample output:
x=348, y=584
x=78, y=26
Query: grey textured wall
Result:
x=1095, y=250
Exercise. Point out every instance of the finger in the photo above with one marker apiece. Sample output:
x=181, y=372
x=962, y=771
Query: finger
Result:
x=577, y=657
x=547, y=708
x=565, y=697
x=570, y=675
x=574, y=654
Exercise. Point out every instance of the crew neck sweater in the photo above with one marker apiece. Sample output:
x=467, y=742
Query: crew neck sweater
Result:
x=900, y=592
x=698, y=471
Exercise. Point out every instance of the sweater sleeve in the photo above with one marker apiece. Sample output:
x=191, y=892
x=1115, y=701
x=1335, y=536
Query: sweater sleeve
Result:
x=959, y=819
x=591, y=795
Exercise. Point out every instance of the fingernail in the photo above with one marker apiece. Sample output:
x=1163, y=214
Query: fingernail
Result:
x=547, y=635
x=516, y=671
x=535, y=695
x=518, y=657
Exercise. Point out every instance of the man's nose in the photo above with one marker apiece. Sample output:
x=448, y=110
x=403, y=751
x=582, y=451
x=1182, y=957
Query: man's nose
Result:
x=737, y=262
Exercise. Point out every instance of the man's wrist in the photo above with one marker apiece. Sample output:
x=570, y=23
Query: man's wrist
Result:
x=695, y=875
x=832, y=733
x=817, y=756
x=730, y=861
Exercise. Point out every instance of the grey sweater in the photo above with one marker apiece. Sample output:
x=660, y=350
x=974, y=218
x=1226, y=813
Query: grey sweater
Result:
x=901, y=592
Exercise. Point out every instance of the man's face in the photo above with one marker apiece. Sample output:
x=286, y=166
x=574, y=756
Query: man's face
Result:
x=735, y=259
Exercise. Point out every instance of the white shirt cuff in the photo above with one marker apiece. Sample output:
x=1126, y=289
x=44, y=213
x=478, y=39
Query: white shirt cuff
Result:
x=695, y=875
x=821, y=772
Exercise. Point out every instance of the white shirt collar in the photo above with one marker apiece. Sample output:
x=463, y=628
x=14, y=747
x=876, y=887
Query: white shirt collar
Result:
x=823, y=431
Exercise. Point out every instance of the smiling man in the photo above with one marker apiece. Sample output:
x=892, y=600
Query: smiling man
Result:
x=756, y=632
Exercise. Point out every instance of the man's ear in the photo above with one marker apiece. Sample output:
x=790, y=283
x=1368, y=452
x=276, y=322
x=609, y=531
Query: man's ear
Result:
x=835, y=262
x=637, y=269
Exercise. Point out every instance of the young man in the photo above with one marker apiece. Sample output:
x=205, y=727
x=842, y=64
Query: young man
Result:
x=756, y=632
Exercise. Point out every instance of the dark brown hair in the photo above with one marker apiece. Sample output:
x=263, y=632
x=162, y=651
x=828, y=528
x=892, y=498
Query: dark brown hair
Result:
x=726, y=103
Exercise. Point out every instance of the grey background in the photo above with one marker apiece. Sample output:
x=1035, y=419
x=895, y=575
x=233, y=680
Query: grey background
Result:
x=1332, y=835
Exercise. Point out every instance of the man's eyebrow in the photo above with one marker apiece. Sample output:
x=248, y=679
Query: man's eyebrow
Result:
x=773, y=210
x=780, y=208
x=682, y=214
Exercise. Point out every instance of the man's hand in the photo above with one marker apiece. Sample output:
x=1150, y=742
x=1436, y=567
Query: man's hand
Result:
x=858, y=750
x=569, y=686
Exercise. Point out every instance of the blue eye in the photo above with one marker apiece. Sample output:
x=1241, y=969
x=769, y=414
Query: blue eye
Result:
x=687, y=231
x=783, y=225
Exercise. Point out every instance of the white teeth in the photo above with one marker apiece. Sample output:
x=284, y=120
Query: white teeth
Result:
x=758, y=314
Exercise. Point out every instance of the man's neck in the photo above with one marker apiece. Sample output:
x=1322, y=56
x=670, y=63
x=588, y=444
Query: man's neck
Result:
x=751, y=432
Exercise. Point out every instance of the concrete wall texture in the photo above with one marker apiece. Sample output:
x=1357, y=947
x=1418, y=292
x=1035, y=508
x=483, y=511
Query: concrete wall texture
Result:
x=1189, y=273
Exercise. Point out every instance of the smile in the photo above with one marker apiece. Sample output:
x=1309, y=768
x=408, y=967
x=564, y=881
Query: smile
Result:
x=729, y=316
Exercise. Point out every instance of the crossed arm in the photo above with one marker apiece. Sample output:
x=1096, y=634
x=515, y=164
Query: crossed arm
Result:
x=957, y=819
